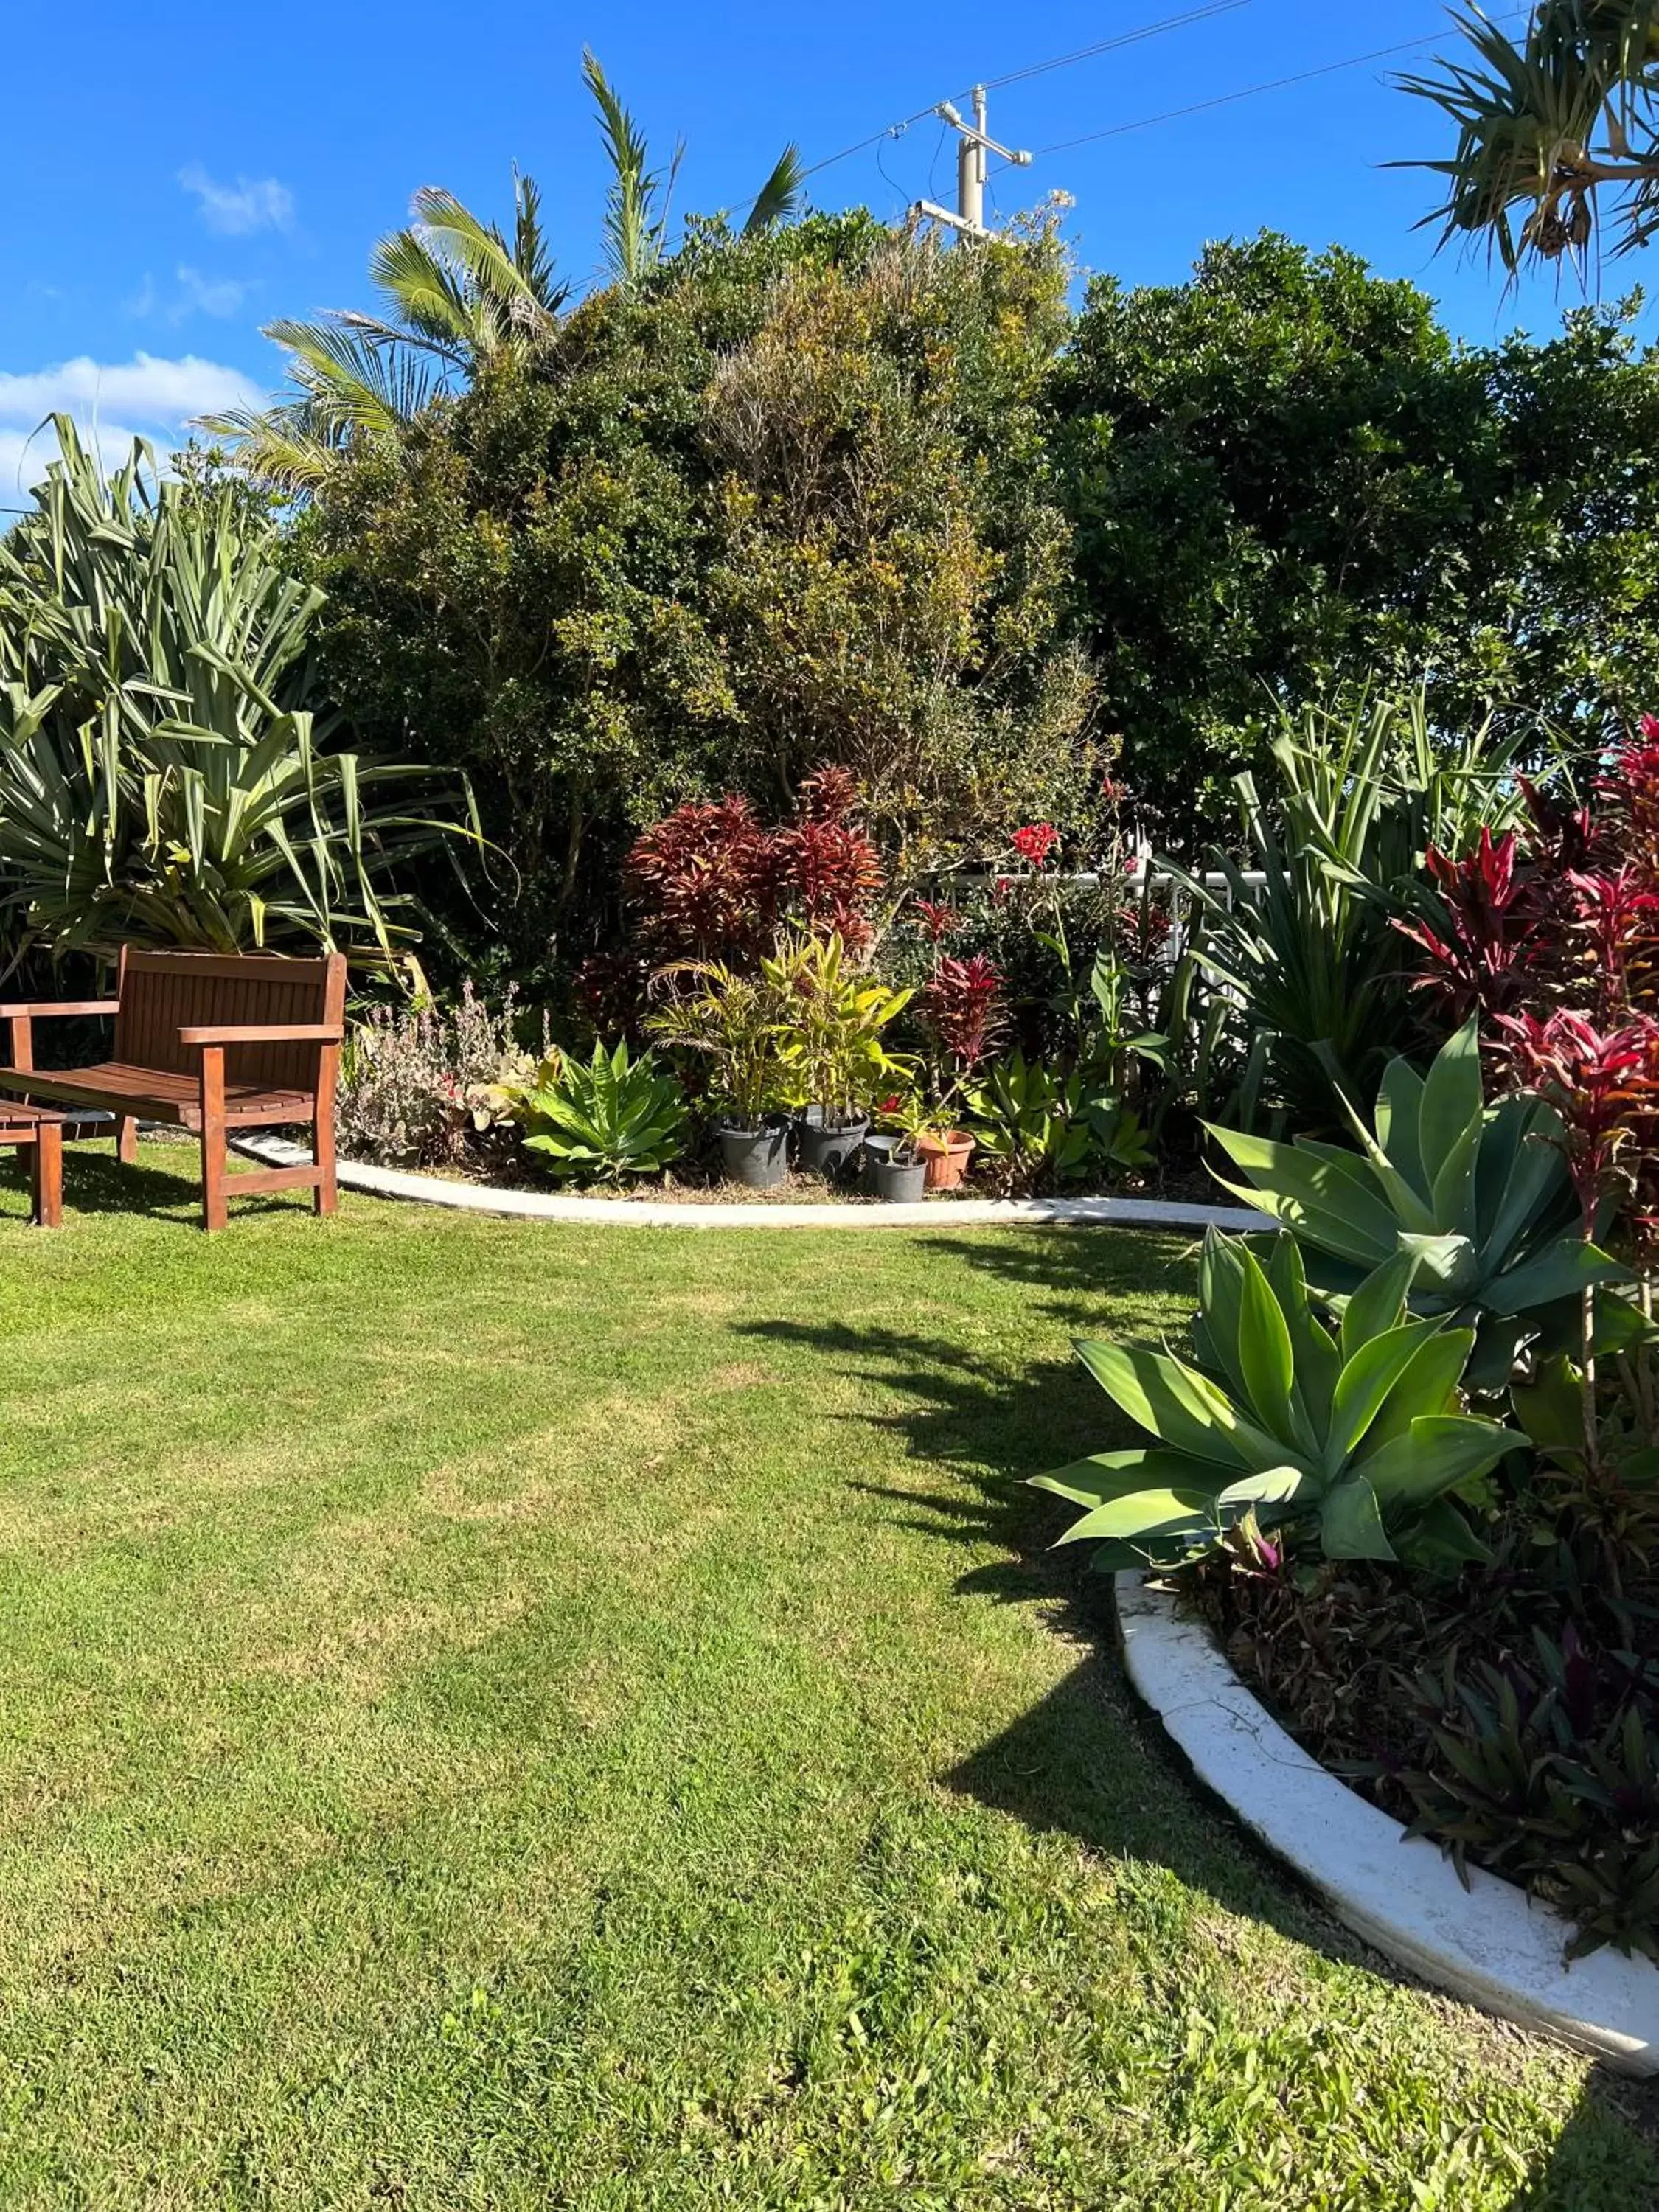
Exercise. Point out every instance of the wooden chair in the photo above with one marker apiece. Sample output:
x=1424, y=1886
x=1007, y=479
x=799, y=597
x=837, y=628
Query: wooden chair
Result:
x=211, y=1043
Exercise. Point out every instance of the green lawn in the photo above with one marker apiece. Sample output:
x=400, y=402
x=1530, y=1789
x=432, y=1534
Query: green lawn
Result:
x=501, y=1716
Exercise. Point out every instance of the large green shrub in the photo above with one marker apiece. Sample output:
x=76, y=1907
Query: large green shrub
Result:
x=1285, y=472
x=786, y=501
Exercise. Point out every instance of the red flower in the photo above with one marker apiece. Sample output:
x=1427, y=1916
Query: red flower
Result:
x=1036, y=841
x=1000, y=889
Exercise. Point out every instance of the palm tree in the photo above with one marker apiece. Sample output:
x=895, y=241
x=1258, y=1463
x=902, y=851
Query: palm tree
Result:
x=1546, y=123
x=457, y=295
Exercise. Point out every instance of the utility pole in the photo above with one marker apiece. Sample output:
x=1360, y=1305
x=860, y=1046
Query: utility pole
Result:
x=973, y=145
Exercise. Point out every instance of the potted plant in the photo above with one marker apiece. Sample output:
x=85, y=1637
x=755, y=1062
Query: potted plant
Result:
x=895, y=1168
x=735, y=1022
x=945, y=1156
x=832, y=1022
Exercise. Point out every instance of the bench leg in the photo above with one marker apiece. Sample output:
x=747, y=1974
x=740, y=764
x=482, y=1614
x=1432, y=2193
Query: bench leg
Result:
x=214, y=1161
x=48, y=1166
x=126, y=1139
x=326, y=1198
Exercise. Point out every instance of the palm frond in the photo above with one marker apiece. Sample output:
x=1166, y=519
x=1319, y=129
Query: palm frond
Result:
x=1547, y=124
x=779, y=197
x=632, y=229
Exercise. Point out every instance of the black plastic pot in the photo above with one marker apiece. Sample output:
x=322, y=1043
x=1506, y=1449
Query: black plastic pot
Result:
x=898, y=1182
x=829, y=1148
x=878, y=1145
x=757, y=1158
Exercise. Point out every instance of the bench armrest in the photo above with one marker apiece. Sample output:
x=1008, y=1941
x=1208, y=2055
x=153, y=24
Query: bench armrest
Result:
x=42, y=1009
x=265, y=1033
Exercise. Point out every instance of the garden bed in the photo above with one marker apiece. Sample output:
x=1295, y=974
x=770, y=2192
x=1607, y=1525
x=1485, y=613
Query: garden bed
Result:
x=1486, y=1941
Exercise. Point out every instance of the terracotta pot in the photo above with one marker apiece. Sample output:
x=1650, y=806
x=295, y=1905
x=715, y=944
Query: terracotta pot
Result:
x=946, y=1157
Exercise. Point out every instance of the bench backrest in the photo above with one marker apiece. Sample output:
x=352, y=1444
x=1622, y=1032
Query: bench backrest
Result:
x=162, y=993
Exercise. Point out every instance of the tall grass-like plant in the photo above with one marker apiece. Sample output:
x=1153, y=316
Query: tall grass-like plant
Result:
x=1307, y=952
x=163, y=779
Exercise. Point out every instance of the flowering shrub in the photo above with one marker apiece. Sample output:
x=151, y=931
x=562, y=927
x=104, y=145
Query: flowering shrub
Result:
x=418, y=1084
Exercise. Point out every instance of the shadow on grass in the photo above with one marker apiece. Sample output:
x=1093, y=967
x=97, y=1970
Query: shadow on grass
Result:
x=1085, y=1761
x=95, y=1182
x=1088, y=1761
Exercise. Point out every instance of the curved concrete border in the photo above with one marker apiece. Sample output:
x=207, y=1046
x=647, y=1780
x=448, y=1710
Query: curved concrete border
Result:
x=656, y=1213
x=1489, y=1944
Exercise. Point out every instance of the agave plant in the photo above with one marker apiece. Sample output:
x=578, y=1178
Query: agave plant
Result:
x=1351, y=1436
x=1480, y=1196
x=605, y=1120
x=162, y=778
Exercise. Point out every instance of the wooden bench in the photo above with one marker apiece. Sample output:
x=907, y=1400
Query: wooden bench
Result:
x=211, y=1043
x=40, y=1128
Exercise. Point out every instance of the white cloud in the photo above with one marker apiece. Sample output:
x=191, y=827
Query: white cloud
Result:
x=210, y=295
x=110, y=401
x=149, y=388
x=251, y=203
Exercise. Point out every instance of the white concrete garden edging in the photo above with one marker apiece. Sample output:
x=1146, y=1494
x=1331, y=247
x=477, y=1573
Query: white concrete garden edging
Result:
x=1489, y=1944
x=737, y=1214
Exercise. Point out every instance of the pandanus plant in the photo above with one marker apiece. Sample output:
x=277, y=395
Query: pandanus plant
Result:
x=1351, y=1436
x=163, y=779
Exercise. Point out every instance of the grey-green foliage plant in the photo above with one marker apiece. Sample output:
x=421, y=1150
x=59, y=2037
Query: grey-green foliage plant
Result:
x=163, y=780
x=606, y=1119
x=1480, y=1196
x=1349, y=1437
x=1298, y=934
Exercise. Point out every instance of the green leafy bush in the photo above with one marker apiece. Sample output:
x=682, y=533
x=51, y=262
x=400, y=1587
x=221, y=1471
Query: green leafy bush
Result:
x=606, y=1119
x=1480, y=1195
x=1350, y=1437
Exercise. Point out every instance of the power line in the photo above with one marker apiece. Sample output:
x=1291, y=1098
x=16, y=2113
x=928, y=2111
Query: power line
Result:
x=1252, y=91
x=1109, y=45
x=1015, y=76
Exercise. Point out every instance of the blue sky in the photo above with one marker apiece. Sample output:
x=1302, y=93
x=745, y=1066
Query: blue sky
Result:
x=217, y=168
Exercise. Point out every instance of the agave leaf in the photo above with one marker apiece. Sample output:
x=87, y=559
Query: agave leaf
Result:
x=1351, y=1524
x=1182, y=1407
x=1438, y=1452
x=1365, y=1383
x=1452, y=1110
x=1378, y=1303
x=1569, y=1265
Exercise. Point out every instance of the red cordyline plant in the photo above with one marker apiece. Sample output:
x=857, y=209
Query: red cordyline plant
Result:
x=704, y=883
x=963, y=1008
x=937, y=921
x=1493, y=943
x=710, y=882
x=1599, y=1082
